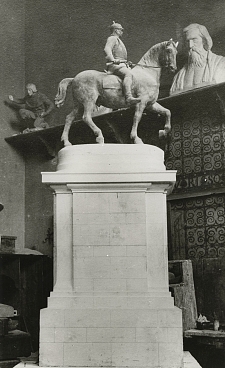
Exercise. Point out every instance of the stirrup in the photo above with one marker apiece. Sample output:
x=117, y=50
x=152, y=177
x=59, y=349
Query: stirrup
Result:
x=132, y=100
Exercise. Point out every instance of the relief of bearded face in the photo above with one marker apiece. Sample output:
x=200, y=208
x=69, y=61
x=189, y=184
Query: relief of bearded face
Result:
x=195, y=48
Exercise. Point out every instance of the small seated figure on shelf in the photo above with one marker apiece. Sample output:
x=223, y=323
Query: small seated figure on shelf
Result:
x=33, y=108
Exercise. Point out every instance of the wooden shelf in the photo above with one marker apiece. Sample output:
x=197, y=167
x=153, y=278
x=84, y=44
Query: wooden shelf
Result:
x=204, y=333
x=209, y=338
x=116, y=126
x=39, y=140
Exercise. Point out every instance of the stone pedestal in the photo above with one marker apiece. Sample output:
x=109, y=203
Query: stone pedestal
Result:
x=111, y=305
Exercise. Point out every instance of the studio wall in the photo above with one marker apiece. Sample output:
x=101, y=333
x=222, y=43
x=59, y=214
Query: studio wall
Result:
x=12, y=166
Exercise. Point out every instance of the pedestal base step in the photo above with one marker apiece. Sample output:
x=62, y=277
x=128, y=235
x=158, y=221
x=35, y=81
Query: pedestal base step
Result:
x=189, y=362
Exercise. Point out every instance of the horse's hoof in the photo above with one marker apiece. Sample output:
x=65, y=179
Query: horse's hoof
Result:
x=162, y=134
x=138, y=141
x=67, y=144
x=100, y=140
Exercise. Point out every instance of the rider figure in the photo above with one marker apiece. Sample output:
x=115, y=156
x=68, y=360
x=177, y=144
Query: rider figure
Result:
x=116, y=57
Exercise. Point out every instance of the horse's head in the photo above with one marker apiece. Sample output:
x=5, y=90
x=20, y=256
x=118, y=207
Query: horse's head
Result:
x=170, y=54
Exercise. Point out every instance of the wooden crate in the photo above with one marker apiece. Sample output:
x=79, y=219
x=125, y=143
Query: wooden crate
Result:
x=183, y=291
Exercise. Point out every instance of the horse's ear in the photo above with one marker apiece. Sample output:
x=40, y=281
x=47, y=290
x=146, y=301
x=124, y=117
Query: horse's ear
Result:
x=169, y=42
x=176, y=44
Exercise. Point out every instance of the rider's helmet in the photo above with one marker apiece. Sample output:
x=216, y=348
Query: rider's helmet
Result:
x=116, y=26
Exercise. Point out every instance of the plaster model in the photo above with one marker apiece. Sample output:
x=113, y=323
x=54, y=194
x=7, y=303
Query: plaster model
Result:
x=91, y=87
x=33, y=107
x=203, y=67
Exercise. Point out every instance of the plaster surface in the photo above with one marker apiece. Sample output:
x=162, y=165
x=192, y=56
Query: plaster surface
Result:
x=111, y=305
x=188, y=360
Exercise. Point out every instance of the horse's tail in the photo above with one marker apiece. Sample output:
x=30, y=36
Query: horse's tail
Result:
x=61, y=95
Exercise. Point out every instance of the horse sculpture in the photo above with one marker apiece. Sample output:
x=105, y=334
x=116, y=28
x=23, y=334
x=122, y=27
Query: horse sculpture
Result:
x=91, y=88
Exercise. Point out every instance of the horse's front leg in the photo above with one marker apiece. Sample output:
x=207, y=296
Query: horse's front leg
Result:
x=165, y=112
x=88, y=120
x=65, y=135
x=137, y=117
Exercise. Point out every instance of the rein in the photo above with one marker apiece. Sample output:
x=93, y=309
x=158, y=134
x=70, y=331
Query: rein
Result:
x=130, y=64
x=146, y=66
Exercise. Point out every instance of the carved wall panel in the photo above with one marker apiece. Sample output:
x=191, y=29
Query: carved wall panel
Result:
x=196, y=151
x=197, y=227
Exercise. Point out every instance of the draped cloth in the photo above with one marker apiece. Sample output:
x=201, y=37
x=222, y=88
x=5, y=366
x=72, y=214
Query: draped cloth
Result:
x=214, y=73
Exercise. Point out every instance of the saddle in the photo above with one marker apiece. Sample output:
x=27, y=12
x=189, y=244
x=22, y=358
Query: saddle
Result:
x=111, y=81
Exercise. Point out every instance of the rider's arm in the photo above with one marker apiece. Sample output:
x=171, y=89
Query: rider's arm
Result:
x=110, y=43
x=17, y=100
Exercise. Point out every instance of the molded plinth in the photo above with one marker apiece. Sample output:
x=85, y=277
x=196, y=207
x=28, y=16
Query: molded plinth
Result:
x=110, y=163
x=110, y=158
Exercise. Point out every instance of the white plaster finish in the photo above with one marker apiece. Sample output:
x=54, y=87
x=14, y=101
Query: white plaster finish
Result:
x=52, y=354
x=102, y=158
x=109, y=218
x=63, y=240
x=47, y=334
x=156, y=232
x=156, y=334
x=135, y=355
x=110, y=182
x=83, y=251
x=169, y=352
x=85, y=353
x=169, y=318
x=71, y=302
x=136, y=285
x=111, y=334
x=126, y=302
x=126, y=267
x=136, y=251
x=110, y=251
x=53, y=319
x=188, y=362
x=130, y=318
x=110, y=300
x=116, y=309
x=108, y=164
x=84, y=285
x=94, y=318
x=70, y=334
x=110, y=285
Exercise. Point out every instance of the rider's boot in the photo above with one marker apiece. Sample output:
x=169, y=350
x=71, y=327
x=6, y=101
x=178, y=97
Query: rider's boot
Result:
x=130, y=100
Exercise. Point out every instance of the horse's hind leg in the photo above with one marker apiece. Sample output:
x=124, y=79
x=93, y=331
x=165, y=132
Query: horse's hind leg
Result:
x=165, y=112
x=88, y=108
x=75, y=113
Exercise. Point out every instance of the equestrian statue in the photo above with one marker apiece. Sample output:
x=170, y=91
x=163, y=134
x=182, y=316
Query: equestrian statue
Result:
x=121, y=86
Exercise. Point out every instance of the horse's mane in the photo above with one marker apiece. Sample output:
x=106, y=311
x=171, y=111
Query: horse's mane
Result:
x=151, y=57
